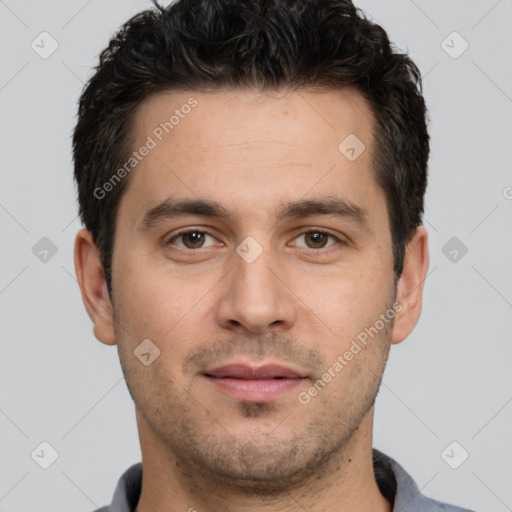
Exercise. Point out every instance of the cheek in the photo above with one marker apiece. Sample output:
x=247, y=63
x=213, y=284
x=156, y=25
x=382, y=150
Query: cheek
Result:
x=154, y=303
x=347, y=304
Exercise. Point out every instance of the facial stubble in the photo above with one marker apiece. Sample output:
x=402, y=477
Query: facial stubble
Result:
x=263, y=463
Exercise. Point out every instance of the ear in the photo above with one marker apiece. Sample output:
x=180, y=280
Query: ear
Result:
x=91, y=279
x=410, y=285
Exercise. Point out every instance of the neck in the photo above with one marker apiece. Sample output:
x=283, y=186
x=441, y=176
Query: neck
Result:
x=344, y=483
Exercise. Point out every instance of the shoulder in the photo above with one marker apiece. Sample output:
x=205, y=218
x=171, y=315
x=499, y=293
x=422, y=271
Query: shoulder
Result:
x=127, y=492
x=407, y=497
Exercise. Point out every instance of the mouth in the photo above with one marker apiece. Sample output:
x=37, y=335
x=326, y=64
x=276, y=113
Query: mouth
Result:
x=254, y=384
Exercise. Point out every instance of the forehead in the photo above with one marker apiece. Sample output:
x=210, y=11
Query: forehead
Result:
x=302, y=118
x=253, y=148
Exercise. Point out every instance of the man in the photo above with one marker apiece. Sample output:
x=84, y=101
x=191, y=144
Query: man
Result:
x=251, y=178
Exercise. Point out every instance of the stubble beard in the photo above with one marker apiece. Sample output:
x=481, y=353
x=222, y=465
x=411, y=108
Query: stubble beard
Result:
x=263, y=463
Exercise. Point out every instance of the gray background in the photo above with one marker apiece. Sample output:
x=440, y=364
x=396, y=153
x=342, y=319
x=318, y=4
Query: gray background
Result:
x=449, y=381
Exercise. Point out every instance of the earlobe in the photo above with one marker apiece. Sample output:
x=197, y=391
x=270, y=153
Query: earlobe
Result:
x=410, y=285
x=91, y=279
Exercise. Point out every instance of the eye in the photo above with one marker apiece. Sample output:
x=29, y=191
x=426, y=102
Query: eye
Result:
x=196, y=239
x=316, y=239
x=193, y=239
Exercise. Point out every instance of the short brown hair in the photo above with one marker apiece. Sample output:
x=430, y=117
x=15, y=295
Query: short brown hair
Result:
x=266, y=44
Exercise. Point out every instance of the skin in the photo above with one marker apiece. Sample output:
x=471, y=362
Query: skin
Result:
x=293, y=305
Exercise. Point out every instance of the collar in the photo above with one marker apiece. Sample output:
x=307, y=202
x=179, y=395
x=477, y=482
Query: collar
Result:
x=393, y=481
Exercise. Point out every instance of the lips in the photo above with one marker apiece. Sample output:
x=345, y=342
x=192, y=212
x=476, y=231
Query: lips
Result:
x=237, y=371
x=254, y=384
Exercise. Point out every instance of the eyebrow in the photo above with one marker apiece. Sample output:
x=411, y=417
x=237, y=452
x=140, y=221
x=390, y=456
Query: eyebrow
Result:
x=329, y=205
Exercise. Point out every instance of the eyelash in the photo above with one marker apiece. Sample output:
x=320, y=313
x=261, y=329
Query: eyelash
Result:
x=320, y=251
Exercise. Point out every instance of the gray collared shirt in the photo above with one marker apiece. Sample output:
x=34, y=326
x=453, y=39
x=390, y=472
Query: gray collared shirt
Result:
x=393, y=481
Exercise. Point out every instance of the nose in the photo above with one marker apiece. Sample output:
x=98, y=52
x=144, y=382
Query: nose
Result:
x=255, y=297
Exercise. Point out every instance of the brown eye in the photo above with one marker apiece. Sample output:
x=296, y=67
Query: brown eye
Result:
x=190, y=239
x=316, y=239
x=193, y=239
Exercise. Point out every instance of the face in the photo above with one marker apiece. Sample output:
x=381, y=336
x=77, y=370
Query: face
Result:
x=255, y=255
